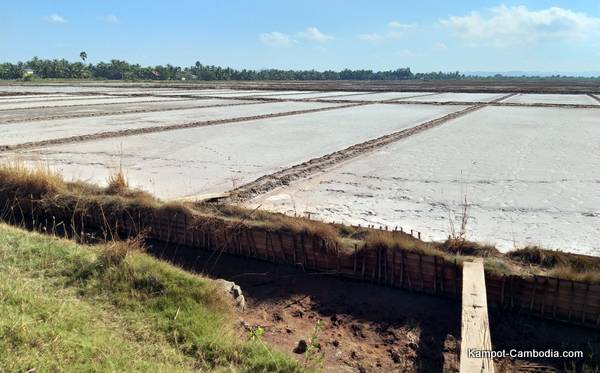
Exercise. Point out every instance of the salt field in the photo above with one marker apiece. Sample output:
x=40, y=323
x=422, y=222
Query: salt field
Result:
x=517, y=168
x=553, y=99
x=530, y=175
x=23, y=132
x=73, y=101
x=457, y=97
x=216, y=159
x=379, y=96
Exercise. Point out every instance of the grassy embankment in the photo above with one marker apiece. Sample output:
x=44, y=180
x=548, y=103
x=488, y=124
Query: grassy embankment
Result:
x=20, y=185
x=113, y=308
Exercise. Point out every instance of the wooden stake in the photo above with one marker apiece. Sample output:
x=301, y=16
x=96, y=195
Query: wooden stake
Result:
x=355, y=259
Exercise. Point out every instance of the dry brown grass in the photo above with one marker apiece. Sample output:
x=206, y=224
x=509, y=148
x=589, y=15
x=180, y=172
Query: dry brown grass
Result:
x=275, y=222
x=461, y=246
x=559, y=264
x=570, y=273
x=29, y=194
x=23, y=180
x=115, y=251
x=396, y=240
x=117, y=182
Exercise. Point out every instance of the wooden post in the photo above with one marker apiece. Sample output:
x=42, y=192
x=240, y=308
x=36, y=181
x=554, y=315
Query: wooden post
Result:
x=281, y=248
x=587, y=291
x=364, y=261
x=304, y=258
x=393, y=279
x=337, y=255
x=502, y=292
x=314, y=249
x=532, y=302
x=571, y=296
x=355, y=250
x=555, y=301
x=475, y=329
x=402, y=256
x=421, y=272
x=295, y=249
x=435, y=275
x=544, y=296
x=185, y=230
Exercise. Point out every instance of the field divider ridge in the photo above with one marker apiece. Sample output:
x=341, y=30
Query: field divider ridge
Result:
x=594, y=97
x=267, y=183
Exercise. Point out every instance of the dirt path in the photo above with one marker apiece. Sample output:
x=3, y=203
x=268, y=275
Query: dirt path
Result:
x=363, y=328
x=369, y=328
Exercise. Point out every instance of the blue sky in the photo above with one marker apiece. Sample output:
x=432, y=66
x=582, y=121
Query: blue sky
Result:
x=425, y=35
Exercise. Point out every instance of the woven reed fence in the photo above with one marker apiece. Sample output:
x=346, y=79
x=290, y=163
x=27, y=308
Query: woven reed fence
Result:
x=557, y=299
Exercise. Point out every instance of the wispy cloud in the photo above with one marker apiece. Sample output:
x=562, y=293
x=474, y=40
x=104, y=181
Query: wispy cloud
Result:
x=54, y=18
x=393, y=30
x=373, y=36
x=394, y=34
x=399, y=25
x=504, y=26
x=313, y=34
x=440, y=47
x=406, y=53
x=396, y=29
x=275, y=39
x=109, y=18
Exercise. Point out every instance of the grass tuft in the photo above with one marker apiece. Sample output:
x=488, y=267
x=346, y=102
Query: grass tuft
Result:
x=274, y=222
x=25, y=181
x=376, y=239
x=559, y=264
x=117, y=183
x=462, y=246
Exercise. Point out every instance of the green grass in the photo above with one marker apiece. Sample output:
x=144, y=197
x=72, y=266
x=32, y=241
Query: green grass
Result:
x=68, y=307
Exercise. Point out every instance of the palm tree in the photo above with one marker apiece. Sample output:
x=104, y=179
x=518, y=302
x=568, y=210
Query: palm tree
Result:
x=83, y=55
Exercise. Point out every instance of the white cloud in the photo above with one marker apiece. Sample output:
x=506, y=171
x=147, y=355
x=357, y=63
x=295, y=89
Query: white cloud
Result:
x=393, y=34
x=55, y=18
x=275, y=39
x=440, y=47
x=406, y=53
x=109, y=18
x=399, y=25
x=313, y=34
x=505, y=26
x=370, y=37
x=395, y=30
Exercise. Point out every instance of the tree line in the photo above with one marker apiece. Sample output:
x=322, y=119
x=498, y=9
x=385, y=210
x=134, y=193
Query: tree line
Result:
x=122, y=70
